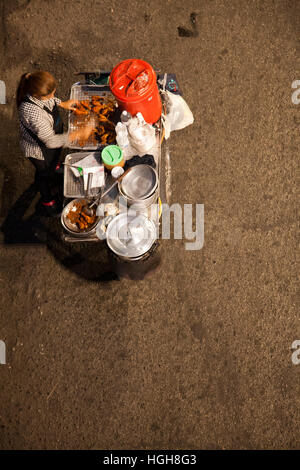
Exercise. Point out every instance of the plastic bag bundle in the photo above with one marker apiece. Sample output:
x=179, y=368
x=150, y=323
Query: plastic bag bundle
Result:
x=141, y=134
x=178, y=114
x=135, y=137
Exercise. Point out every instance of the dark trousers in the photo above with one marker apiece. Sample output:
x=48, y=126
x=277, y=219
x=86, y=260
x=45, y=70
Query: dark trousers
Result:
x=44, y=173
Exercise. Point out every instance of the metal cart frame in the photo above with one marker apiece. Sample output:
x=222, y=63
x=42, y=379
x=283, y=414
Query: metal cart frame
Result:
x=99, y=79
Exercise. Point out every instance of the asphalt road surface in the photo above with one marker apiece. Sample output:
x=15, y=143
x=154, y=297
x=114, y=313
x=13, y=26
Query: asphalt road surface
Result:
x=197, y=353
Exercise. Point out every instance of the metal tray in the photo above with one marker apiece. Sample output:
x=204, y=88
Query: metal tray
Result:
x=73, y=186
x=83, y=92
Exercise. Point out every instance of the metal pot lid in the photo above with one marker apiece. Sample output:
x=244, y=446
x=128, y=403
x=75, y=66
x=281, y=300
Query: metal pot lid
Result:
x=140, y=182
x=130, y=235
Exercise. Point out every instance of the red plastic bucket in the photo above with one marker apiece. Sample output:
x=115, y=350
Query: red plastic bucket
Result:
x=133, y=83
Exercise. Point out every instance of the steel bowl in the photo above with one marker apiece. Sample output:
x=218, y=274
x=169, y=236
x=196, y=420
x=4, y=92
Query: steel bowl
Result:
x=139, y=183
x=141, y=203
x=72, y=228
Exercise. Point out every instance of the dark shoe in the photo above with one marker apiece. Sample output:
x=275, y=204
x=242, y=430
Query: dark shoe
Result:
x=59, y=169
x=52, y=209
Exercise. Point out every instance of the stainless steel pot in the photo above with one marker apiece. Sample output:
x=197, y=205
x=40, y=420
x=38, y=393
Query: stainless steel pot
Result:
x=139, y=183
x=130, y=236
x=141, y=204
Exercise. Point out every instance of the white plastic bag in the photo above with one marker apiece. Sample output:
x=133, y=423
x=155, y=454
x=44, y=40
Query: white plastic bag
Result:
x=123, y=141
x=141, y=135
x=178, y=113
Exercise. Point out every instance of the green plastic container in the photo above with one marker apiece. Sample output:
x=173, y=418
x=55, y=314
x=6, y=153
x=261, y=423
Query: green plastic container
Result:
x=112, y=155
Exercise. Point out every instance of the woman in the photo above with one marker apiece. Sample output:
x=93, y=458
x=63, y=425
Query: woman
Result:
x=41, y=130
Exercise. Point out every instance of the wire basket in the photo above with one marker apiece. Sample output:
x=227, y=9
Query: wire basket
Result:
x=73, y=186
x=85, y=92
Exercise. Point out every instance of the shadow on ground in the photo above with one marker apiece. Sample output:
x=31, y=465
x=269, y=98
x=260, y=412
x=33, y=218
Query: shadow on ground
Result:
x=92, y=261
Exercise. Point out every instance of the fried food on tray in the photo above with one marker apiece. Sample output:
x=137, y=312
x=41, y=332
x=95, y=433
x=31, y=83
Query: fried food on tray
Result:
x=82, y=108
x=79, y=218
x=82, y=112
x=102, y=109
x=85, y=104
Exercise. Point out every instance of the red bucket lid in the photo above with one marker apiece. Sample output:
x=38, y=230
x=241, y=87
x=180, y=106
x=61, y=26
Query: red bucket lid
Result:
x=131, y=78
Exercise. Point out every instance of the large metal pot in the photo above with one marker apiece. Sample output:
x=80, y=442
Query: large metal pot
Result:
x=140, y=204
x=140, y=186
x=131, y=236
x=139, y=183
x=72, y=228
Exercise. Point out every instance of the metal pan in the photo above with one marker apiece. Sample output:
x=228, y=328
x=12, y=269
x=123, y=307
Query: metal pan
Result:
x=72, y=228
x=139, y=183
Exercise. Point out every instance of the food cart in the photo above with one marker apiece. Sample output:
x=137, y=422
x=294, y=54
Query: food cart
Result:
x=114, y=204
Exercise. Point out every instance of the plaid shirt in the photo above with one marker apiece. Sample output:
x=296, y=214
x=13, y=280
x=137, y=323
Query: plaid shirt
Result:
x=40, y=123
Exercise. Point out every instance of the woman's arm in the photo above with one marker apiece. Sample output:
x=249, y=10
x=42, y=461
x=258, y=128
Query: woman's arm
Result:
x=61, y=140
x=40, y=125
x=34, y=118
x=69, y=104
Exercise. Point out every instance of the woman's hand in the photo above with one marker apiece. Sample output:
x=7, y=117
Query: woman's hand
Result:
x=69, y=104
x=81, y=134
